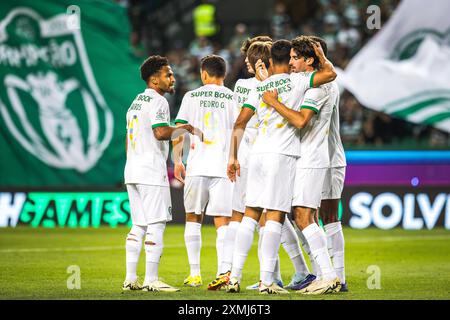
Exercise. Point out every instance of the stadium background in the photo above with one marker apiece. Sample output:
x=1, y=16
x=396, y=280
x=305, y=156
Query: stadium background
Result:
x=398, y=173
x=385, y=154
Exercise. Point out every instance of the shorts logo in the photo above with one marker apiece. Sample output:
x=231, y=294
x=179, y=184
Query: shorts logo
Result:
x=51, y=104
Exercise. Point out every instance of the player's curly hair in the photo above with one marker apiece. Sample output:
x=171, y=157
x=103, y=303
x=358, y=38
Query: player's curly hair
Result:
x=152, y=65
x=247, y=43
x=303, y=47
x=322, y=42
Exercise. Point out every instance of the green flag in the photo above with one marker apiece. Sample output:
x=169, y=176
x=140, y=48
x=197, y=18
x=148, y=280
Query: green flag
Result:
x=67, y=76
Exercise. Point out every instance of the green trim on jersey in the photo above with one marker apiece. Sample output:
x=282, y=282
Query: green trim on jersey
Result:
x=310, y=108
x=181, y=121
x=249, y=106
x=311, y=80
x=162, y=124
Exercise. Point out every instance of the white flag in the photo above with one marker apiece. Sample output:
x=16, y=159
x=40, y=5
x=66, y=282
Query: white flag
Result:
x=405, y=69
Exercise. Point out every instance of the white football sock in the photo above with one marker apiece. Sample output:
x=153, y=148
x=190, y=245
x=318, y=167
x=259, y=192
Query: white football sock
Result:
x=133, y=246
x=336, y=239
x=289, y=240
x=154, y=245
x=230, y=242
x=277, y=270
x=220, y=243
x=244, y=241
x=269, y=250
x=193, y=241
x=260, y=237
x=318, y=244
x=305, y=246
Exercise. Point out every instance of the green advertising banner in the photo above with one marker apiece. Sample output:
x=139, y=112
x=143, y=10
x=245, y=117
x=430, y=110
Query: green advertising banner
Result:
x=77, y=209
x=64, y=209
x=67, y=77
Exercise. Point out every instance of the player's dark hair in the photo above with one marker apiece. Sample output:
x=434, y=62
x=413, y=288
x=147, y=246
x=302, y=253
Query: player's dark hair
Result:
x=214, y=65
x=303, y=47
x=259, y=50
x=322, y=42
x=281, y=52
x=247, y=43
x=152, y=65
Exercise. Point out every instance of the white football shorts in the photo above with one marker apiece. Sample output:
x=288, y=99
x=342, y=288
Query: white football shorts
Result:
x=334, y=183
x=149, y=204
x=270, y=181
x=239, y=191
x=308, y=187
x=211, y=195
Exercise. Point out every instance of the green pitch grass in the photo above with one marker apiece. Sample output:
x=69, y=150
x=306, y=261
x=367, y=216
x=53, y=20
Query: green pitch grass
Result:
x=34, y=263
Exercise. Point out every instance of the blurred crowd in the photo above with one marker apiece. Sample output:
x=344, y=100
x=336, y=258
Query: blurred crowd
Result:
x=342, y=23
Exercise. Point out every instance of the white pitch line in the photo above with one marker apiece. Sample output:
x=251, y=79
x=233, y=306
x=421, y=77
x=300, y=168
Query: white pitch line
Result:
x=74, y=249
x=107, y=248
x=396, y=239
x=31, y=250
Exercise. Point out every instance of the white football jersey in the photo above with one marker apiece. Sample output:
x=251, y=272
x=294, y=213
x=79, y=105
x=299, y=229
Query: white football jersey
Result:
x=335, y=147
x=242, y=89
x=212, y=109
x=147, y=156
x=275, y=134
x=315, y=135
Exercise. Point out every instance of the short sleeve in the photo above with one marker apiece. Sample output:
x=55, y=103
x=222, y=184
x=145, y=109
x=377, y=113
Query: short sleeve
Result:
x=252, y=100
x=183, y=113
x=159, y=113
x=235, y=94
x=233, y=110
x=303, y=80
x=314, y=99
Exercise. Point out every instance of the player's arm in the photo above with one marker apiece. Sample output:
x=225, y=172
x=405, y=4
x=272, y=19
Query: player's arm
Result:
x=326, y=73
x=166, y=132
x=298, y=119
x=181, y=121
x=179, y=171
x=161, y=128
x=244, y=117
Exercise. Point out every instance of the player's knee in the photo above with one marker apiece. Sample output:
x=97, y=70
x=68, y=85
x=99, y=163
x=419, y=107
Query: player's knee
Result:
x=220, y=221
x=302, y=220
x=192, y=217
x=329, y=218
x=237, y=216
x=135, y=236
x=132, y=237
x=155, y=235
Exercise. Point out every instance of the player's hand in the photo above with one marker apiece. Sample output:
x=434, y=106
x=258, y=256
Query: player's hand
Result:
x=319, y=51
x=270, y=97
x=261, y=70
x=197, y=132
x=233, y=168
x=179, y=172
